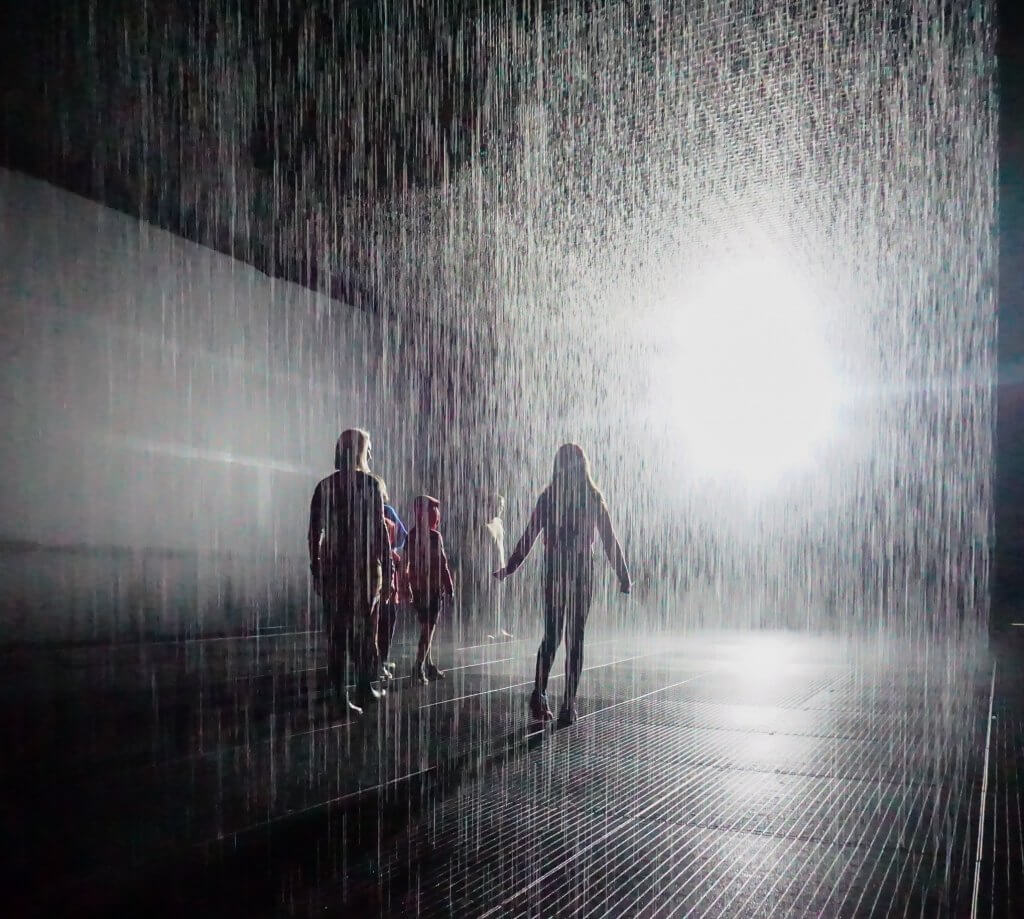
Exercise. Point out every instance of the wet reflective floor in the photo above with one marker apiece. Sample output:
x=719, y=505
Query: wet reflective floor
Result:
x=717, y=774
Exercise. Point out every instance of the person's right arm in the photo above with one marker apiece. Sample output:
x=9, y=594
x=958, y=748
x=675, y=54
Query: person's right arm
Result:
x=538, y=520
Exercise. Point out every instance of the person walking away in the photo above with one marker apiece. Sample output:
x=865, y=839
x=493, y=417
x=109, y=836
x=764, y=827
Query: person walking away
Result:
x=568, y=512
x=430, y=580
x=351, y=565
x=399, y=593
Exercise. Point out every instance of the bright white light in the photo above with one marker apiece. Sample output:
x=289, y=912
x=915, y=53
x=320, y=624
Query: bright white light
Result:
x=749, y=388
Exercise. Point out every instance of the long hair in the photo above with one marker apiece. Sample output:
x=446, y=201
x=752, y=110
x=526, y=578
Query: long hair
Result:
x=572, y=486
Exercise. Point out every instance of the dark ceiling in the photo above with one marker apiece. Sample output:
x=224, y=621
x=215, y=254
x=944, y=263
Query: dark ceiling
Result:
x=166, y=109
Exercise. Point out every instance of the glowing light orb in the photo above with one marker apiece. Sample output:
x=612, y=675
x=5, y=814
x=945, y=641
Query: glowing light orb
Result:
x=749, y=387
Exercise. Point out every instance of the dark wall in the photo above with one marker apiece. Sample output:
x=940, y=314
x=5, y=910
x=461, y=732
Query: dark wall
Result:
x=1009, y=490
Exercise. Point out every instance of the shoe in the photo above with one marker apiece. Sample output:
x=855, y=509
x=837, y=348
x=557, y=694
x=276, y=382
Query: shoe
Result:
x=539, y=710
x=505, y=636
x=367, y=695
x=418, y=676
x=431, y=672
x=567, y=715
x=351, y=706
x=386, y=673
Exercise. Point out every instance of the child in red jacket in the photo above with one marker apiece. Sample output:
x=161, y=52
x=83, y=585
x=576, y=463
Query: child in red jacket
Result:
x=430, y=580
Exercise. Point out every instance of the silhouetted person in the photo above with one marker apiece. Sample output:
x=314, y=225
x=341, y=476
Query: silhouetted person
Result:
x=483, y=552
x=569, y=512
x=350, y=560
x=430, y=580
x=388, y=617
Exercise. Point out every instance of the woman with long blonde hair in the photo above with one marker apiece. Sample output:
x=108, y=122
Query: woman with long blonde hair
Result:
x=569, y=512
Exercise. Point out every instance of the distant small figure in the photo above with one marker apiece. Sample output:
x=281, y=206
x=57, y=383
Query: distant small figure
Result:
x=430, y=580
x=483, y=552
x=397, y=535
x=568, y=513
x=494, y=549
x=351, y=564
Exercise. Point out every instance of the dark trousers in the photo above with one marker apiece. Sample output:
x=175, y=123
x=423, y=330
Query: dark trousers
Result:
x=428, y=610
x=386, y=628
x=350, y=618
x=568, y=591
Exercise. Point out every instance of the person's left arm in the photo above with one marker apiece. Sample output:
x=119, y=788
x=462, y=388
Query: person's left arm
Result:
x=612, y=549
x=447, y=582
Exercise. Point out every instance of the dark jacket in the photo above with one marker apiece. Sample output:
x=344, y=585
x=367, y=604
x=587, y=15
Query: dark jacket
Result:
x=348, y=541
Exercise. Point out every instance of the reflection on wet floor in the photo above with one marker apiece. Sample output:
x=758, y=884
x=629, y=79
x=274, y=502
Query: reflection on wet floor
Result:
x=720, y=774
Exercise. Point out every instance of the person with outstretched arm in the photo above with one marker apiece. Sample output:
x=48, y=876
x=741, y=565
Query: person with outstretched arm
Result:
x=569, y=512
